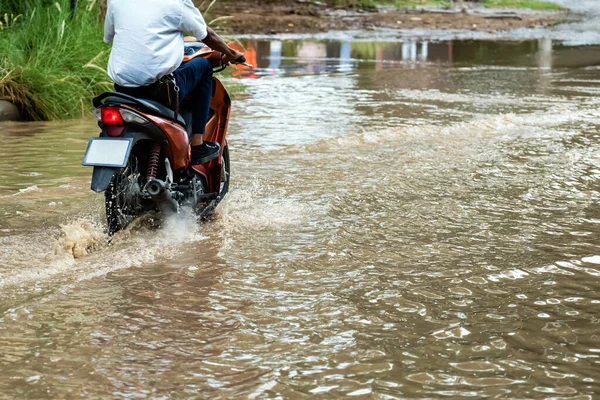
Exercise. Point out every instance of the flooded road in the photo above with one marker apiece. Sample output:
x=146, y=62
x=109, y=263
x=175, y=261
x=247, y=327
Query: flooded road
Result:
x=407, y=220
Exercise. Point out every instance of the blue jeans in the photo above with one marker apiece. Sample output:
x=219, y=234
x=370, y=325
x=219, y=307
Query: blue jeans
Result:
x=195, y=78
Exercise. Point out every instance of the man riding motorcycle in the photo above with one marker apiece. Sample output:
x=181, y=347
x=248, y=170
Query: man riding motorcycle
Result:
x=147, y=54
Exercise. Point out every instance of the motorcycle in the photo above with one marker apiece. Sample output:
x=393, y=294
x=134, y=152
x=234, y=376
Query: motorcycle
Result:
x=142, y=161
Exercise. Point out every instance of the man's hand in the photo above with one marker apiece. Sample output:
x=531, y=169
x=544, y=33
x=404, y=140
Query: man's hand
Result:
x=232, y=56
x=216, y=43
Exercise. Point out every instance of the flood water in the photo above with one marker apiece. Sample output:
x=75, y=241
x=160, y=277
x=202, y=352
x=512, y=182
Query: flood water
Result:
x=407, y=220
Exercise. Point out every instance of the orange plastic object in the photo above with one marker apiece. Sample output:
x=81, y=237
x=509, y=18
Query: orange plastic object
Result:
x=179, y=147
x=216, y=131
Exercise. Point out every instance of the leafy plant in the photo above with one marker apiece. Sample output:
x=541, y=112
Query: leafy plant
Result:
x=52, y=64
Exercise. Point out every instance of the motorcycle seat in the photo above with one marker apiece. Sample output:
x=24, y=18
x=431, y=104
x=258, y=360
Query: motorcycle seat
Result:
x=144, y=105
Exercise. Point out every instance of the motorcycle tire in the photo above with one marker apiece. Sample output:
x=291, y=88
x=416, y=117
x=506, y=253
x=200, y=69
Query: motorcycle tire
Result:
x=122, y=198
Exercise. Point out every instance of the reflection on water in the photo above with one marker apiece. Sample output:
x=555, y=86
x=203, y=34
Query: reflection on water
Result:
x=408, y=220
x=313, y=57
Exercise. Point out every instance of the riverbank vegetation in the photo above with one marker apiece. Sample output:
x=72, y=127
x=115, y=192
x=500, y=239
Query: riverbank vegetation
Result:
x=531, y=4
x=52, y=62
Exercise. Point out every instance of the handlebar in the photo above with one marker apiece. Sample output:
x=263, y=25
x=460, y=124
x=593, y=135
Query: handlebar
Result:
x=239, y=61
x=193, y=50
x=242, y=61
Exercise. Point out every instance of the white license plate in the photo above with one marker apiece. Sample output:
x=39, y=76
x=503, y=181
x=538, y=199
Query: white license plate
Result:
x=107, y=152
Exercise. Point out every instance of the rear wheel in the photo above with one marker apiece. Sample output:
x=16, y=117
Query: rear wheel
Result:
x=123, y=197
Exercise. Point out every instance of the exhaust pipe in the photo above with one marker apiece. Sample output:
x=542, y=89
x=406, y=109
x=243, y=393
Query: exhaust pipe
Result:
x=157, y=189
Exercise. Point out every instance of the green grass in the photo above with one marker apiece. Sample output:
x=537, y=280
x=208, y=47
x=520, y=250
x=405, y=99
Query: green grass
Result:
x=531, y=4
x=21, y=6
x=52, y=65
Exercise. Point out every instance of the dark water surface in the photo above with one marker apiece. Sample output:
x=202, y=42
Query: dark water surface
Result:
x=408, y=220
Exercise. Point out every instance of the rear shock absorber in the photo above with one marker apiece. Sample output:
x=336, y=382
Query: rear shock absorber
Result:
x=153, y=161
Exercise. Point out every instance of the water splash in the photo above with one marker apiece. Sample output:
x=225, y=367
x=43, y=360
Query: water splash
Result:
x=82, y=237
x=257, y=206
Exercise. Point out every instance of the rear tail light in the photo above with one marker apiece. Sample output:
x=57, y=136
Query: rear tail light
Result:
x=132, y=117
x=118, y=116
x=111, y=116
x=115, y=118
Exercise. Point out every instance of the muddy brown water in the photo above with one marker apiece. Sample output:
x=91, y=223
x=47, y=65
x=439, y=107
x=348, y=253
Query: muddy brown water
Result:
x=407, y=220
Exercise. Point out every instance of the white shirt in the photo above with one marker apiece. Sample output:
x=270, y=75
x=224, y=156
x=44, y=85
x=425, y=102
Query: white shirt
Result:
x=147, y=37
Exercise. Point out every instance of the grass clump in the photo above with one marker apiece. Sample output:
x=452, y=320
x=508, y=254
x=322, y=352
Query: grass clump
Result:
x=531, y=4
x=52, y=63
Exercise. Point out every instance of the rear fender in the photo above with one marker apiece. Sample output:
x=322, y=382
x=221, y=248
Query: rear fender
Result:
x=102, y=176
